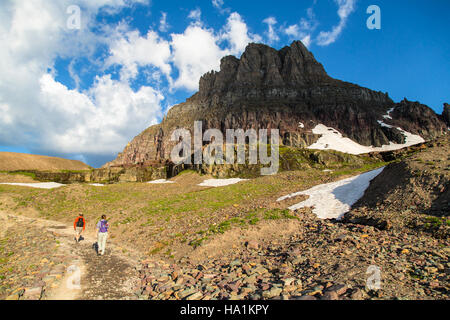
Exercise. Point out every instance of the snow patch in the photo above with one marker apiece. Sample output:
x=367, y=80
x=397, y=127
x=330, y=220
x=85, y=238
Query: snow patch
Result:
x=97, y=184
x=388, y=115
x=42, y=185
x=220, y=182
x=333, y=200
x=161, y=181
x=381, y=123
x=331, y=139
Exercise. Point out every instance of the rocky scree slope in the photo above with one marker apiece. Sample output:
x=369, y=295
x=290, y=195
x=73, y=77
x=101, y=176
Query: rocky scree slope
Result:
x=412, y=194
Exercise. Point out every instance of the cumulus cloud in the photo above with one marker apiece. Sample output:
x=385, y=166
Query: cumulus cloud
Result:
x=96, y=121
x=195, y=52
x=131, y=51
x=346, y=7
x=237, y=34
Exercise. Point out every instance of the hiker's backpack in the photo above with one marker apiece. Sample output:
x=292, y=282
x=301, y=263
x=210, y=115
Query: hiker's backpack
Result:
x=104, y=226
x=80, y=223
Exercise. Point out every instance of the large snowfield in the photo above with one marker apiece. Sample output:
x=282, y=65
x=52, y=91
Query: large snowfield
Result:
x=333, y=200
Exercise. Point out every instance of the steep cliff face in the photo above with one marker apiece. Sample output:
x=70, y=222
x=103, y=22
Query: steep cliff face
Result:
x=286, y=90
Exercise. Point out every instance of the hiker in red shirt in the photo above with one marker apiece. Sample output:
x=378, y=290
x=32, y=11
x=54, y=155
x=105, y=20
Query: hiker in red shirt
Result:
x=79, y=226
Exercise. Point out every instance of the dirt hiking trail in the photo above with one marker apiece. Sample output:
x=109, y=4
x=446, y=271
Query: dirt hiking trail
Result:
x=88, y=276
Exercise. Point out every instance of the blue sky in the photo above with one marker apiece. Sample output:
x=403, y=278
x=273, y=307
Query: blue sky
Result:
x=84, y=93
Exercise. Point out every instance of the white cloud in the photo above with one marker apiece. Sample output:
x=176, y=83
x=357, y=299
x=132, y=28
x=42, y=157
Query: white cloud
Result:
x=195, y=14
x=346, y=7
x=98, y=120
x=218, y=3
x=163, y=24
x=271, y=34
x=195, y=52
x=304, y=29
x=131, y=51
x=237, y=34
x=292, y=31
x=192, y=53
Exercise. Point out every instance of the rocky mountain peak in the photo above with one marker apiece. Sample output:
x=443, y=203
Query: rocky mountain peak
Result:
x=261, y=66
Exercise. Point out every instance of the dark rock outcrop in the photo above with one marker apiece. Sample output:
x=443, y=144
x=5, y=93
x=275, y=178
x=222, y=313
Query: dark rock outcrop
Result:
x=286, y=90
x=446, y=114
x=417, y=119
